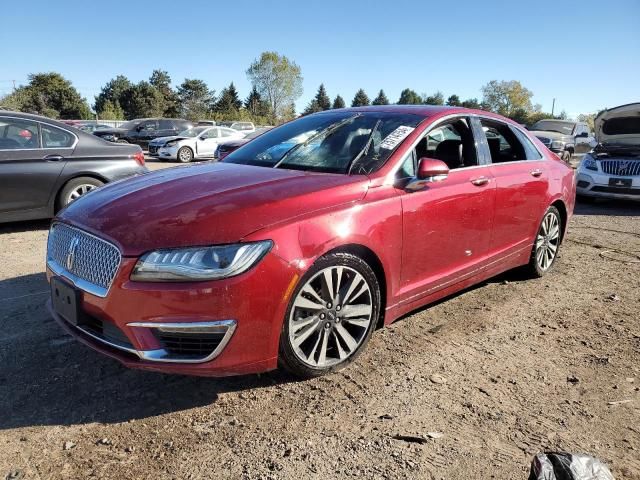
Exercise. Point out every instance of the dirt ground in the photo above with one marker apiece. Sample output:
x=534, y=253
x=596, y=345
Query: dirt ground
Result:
x=482, y=380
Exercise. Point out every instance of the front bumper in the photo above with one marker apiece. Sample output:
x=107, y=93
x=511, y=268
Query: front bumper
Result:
x=168, y=152
x=132, y=313
x=596, y=184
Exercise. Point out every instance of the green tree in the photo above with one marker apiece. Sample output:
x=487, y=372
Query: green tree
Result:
x=454, y=101
x=313, y=107
x=506, y=96
x=435, y=99
x=322, y=99
x=361, y=99
x=196, y=100
x=111, y=111
x=278, y=80
x=338, y=102
x=228, y=103
x=142, y=100
x=381, y=99
x=471, y=103
x=112, y=92
x=255, y=105
x=162, y=81
x=52, y=95
x=587, y=118
x=409, y=97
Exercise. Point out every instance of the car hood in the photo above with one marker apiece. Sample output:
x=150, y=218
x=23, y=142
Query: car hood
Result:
x=620, y=125
x=551, y=135
x=206, y=204
x=163, y=140
x=109, y=131
x=236, y=143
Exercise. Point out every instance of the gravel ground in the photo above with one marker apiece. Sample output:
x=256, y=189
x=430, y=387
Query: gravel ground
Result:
x=471, y=387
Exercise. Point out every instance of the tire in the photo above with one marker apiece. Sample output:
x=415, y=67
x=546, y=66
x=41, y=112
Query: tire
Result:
x=185, y=155
x=546, y=245
x=75, y=188
x=566, y=157
x=122, y=140
x=328, y=341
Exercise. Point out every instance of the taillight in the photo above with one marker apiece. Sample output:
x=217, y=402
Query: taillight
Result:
x=139, y=157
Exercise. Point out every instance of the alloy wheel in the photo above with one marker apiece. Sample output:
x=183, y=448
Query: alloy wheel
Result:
x=79, y=191
x=547, y=241
x=330, y=317
x=185, y=154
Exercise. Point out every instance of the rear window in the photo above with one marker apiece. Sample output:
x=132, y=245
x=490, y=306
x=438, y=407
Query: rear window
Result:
x=621, y=126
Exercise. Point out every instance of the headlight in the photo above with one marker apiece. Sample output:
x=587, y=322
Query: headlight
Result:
x=558, y=144
x=589, y=163
x=199, y=263
x=171, y=143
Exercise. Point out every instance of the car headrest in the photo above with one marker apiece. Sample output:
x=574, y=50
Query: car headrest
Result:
x=450, y=152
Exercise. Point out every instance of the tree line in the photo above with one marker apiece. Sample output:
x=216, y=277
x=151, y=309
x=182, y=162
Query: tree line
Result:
x=276, y=84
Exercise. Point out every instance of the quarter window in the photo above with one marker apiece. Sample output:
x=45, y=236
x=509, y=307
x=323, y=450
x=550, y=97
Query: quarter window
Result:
x=530, y=150
x=53, y=137
x=18, y=134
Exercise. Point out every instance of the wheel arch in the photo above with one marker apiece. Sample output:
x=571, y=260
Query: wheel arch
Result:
x=53, y=202
x=562, y=208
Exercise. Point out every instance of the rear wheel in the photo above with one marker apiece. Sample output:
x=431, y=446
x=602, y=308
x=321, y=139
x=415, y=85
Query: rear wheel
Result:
x=185, y=155
x=76, y=188
x=331, y=316
x=547, y=243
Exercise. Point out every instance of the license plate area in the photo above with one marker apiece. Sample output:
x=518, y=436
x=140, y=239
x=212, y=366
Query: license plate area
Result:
x=620, y=182
x=66, y=300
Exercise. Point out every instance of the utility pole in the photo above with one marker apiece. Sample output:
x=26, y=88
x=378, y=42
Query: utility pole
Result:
x=553, y=106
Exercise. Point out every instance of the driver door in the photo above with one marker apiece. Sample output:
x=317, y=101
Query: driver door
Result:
x=208, y=142
x=447, y=225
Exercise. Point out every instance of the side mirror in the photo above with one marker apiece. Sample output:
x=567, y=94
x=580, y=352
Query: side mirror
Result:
x=429, y=170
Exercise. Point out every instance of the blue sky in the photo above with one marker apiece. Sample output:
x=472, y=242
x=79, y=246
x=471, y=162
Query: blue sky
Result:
x=586, y=53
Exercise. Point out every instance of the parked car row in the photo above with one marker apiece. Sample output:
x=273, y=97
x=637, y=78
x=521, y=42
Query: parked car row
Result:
x=564, y=137
x=192, y=143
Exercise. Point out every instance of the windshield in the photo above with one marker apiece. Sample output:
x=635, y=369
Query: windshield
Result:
x=552, y=126
x=130, y=125
x=193, y=132
x=344, y=142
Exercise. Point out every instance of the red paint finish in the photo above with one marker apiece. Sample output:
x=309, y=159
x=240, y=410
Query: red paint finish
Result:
x=476, y=223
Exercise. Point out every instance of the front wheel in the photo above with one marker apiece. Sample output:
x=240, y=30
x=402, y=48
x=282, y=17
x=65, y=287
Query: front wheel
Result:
x=185, y=155
x=547, y=243
x=331, y=316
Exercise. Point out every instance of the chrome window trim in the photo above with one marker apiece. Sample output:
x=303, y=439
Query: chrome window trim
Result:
x=82, y=284
x=40, y=122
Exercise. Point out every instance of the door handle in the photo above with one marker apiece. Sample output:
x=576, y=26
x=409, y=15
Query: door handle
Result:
x=480, y=181
x=54, y=158
x=536, y=173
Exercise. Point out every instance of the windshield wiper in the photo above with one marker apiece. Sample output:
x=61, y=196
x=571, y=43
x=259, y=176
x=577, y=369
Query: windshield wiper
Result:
x=325, y=131
x=365, y=149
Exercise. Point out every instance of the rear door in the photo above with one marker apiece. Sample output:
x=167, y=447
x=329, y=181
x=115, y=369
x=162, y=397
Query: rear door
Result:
x=32, y=156
x=147, y=131
x=522, y=178
x=447, y=225
x=167, y=128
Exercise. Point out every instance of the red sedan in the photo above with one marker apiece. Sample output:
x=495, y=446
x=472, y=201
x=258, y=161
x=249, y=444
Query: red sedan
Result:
x=296, y=247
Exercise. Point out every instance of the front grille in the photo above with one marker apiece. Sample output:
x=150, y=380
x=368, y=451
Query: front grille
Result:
x=153, y=149
x=189, y=344
x=623, y=168
x=623, y=190
x=80, y=255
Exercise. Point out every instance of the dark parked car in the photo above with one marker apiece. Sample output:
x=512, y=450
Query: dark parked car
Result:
x=45, y=165
x=226, y=148
x=142, y=130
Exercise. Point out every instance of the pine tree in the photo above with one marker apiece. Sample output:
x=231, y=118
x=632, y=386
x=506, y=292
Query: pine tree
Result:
x=313, y=107
x=381, y=99
x=338, y=102
x=322, y=99
x=454, y=101
x=409, y=97
x=255, y=105
x=361, y=99
x=228, y=101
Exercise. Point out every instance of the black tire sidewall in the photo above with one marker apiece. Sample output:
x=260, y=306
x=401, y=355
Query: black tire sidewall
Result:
x=286, y=356
x=533, y=266
x=180, y=150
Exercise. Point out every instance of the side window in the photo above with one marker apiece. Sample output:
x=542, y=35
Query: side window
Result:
x=149, y=125
x=225, y=132
x=504, y=146
x=451, y=142
x=53, y=137
x=530, y=150
x=167, y=125
x=17, y=134
x=212, y=133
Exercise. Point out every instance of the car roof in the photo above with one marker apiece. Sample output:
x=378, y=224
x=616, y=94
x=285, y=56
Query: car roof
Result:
x=35, y=118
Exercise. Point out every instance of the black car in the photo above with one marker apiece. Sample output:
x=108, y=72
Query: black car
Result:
x=142, y=130
x=45, y=165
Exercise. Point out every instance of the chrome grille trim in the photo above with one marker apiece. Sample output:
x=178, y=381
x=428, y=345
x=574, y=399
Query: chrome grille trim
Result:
x=93, y=264
x=621, y=168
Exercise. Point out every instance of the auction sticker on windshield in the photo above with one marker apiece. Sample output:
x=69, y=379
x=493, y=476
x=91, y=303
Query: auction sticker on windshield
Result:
x=392, y=140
